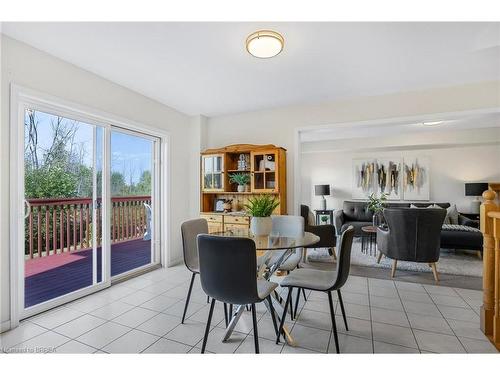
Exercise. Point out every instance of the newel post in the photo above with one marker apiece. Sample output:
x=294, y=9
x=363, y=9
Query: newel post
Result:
x=486, y=225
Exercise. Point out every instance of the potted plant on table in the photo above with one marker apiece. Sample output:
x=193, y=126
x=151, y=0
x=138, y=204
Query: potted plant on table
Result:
x=261, y=209
x=242, y=179
x=376, y=205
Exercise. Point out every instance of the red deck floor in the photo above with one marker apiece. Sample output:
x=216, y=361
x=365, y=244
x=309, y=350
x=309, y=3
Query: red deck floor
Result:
x=50, y=277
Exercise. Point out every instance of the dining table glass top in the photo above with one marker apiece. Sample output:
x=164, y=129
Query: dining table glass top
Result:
x=272, y=242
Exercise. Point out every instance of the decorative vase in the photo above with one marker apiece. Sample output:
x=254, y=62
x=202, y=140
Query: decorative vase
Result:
x=261, y=226
x=376, y=219
x=241, y=188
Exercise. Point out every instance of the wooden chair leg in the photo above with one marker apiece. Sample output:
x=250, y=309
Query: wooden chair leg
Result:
x=333, y=253
x=379, y=257
x=434, y=271
x=283, y=317
x=479, y=254
x=394, y=265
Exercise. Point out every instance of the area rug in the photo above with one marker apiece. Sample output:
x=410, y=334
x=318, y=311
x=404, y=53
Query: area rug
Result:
x=450, y=262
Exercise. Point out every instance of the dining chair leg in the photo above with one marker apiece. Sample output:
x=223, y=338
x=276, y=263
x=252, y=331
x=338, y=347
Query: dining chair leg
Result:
x=255, y=332
x=208, y=299
x=225, y=314
x=292, y=317
x=342, y=309
x=188, y=297
x=284, y=315
x=304, y=294
x=334, y=253
x=379, y=257
x=278, y=297
x=207, y=328
x=297, y=303
x=230, y=311
x=271, y=309
x=334, y=325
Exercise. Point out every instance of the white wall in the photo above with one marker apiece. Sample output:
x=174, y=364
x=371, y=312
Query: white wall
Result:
x=34, y=69
x=278, y=126
x=450, y=167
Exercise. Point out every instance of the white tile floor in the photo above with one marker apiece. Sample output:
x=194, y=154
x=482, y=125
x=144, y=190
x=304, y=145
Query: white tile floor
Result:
x=142, y=315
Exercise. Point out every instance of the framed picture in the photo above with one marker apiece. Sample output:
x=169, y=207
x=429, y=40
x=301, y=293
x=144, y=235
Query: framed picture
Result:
x=324, y=219
x=389, y=177
x=416, y=173
x=363, y=173
x=218, y=205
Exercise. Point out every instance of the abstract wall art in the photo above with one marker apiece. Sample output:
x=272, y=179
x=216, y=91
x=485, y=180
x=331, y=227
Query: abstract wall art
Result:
x=400, y=178
x=364, y=172
x=389, y=178
x=416, y=179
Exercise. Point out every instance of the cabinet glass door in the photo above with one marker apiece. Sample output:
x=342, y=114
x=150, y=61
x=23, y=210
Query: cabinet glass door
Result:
x=264, y=172
x=213, y=172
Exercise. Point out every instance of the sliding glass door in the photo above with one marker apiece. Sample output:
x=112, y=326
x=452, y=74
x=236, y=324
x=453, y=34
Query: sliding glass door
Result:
x=63, y=219
x=133, y=177
x=88, y=206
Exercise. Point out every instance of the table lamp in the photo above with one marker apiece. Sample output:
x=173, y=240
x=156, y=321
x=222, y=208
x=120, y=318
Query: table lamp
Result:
x=322, y=190
x=475, y=189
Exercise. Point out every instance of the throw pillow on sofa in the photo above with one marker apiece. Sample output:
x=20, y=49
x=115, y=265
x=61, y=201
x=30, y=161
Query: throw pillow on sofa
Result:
x=451, y=215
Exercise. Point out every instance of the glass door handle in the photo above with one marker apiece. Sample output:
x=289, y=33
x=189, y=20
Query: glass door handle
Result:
x=27, y=208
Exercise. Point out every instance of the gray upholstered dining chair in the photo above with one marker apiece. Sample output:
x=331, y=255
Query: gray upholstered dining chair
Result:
x=412, y=234
x=323, y=281
x=288, y=226
x=228, y=273
x=189, y=231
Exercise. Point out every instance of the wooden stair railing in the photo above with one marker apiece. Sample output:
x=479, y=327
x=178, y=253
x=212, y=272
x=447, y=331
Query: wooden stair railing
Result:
x=490, y=227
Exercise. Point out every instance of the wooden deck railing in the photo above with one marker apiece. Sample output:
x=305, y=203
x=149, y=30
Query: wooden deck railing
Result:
x=59, y=225
x=490, y=226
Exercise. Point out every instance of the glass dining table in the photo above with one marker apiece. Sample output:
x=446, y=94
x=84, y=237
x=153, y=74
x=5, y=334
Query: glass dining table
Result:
x=271, y=252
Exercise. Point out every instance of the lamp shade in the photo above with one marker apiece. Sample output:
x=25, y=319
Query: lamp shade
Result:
x=321, y=189
x=475, y=189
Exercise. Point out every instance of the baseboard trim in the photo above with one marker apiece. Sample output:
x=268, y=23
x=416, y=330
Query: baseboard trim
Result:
x=174, y=262
x=5, y=326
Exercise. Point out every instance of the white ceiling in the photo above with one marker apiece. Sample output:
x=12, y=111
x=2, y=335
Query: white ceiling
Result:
x=203, y=68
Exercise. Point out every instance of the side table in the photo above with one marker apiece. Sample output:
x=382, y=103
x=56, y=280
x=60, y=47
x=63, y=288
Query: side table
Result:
x=369, y=240
x=319, y=213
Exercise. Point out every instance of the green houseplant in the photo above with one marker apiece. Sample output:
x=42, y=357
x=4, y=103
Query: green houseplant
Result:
x=242, y=179
x=376, y=205
x=261, y=208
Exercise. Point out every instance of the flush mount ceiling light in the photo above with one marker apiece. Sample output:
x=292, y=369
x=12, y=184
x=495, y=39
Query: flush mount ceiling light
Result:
x=265, y=44
x=432, y=123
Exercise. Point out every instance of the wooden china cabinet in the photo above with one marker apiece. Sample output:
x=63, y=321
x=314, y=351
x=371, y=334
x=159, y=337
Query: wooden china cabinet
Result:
x=266, y=168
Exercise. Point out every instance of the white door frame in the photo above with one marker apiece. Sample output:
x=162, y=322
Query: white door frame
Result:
x=20, y=98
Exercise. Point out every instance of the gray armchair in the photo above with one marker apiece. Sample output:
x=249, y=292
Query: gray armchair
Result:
x=411, y=234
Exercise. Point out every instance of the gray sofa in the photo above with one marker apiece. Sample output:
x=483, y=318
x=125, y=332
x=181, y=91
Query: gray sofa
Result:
x=357, y=214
